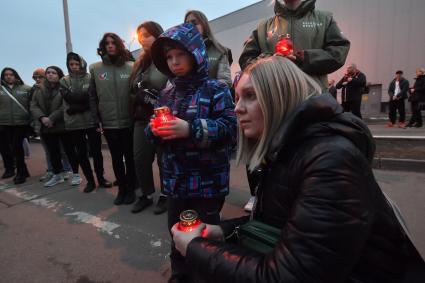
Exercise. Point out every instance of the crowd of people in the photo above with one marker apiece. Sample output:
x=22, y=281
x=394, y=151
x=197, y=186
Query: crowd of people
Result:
x=308, y=161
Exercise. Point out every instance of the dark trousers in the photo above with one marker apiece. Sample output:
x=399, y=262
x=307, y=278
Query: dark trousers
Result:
x=144, y=156
x=52, y=141
x=6, y=150
x=397, y=105
x=13, y=137
x=416, y=114
x=120, y=143
x=353, y=106
x=209, y=213
x=80, y=139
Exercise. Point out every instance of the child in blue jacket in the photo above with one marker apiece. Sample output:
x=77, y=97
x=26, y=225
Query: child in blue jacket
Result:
x=196, y=145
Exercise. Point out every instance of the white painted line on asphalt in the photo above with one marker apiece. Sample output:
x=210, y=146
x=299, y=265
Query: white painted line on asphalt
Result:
x=104, y=226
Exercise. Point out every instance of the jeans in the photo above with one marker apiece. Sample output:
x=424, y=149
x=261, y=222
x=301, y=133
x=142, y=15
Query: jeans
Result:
x=65, y=162
x=53, y=143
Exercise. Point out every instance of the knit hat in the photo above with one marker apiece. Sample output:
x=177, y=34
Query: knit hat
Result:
x=57, y=69
x=40, y=72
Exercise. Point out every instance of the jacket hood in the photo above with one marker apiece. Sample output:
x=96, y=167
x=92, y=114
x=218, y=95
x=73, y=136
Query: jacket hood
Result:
x=305, y=6
x=187, y=36
x=18, y=81
x=322, y=116
x=75, y=56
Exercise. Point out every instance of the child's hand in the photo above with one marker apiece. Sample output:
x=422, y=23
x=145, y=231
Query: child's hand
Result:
x=174, y=129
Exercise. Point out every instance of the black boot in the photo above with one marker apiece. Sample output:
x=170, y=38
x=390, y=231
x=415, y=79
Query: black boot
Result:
x=141, y=204
x=89, y=187
x=8, y=174
x=26, y=172
x=120, y=196
x=130, y=196
x=19, y=179
x=161, y=205
x=103, y=183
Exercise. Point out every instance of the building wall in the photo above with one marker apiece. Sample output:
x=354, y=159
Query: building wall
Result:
x=385, y=35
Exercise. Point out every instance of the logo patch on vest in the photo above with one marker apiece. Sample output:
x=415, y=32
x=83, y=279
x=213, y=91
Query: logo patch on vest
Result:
x=311, y=24
x=124, y=76
x=103, y=77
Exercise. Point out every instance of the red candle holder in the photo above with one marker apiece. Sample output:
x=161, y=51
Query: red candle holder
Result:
x=162, y=116
x=284, y=46
x=188, y=221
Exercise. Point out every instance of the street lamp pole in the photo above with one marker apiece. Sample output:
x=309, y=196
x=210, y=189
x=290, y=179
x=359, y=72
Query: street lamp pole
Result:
x=67, y=29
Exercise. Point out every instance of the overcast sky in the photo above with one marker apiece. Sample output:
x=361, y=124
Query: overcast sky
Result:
x=33, y=34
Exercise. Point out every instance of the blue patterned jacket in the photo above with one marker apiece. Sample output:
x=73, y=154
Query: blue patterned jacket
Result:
x=197, y=166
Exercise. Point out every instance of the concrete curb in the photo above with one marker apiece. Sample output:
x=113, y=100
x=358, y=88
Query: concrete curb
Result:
x=394, y=164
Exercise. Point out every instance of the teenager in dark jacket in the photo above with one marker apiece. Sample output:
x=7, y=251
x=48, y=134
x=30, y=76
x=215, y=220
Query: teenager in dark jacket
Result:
x=14, y=123
x=79, y=122
x=320, y=48
x=353, y=84
x=219, y=57
x=398, y=91
x=417, y=98
x=195, y=147
x=110, y=106
x=47, y=110
x=317, y=187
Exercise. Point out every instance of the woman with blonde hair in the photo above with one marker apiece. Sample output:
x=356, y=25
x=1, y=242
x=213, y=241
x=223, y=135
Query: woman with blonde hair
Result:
x=320, y=216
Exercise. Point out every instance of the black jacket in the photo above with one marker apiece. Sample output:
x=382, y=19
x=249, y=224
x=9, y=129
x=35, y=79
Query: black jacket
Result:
x=404, y=88
x=320, y=190
x=419, y=93
x=353, y=90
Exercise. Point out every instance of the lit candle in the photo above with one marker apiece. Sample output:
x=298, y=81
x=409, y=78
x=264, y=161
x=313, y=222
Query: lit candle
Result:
x=188, y=220
x=285, y=45
x=162, y=116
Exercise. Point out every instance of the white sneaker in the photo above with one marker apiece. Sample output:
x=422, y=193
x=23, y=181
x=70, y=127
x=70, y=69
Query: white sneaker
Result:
x=56, y=179
x=46, y=177
x=67, y=175
x=75, y=180
x=249, y=205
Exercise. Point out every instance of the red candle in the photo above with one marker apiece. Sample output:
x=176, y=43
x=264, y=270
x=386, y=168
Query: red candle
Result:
x=285, y=45
x=162, y=116
x=188, y=220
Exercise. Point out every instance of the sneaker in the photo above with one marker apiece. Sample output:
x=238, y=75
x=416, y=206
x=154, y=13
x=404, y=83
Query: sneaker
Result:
x=130, y=197
x=56, y=179
x=161, y=205
x=249, y=205
x=75, y=180
x=67, y=175
x=390, y=125
x=46, y=177
x=401, y=125
x=141, y=204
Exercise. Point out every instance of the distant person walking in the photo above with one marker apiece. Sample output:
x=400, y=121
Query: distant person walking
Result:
x=398, y=91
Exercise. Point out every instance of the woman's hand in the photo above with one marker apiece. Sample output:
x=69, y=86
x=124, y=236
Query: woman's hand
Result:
x=174, y=129
x=182, y=239
x=213, y=232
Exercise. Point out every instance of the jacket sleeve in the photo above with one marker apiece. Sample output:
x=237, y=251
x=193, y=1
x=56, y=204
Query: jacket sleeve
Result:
x=359, y=81
x=250, y=51
x=391, y=88
x=405, y=88
x=220, y=128
x=322, y=239
x=329, y=58
x=340, y=83
x=94, y=100
x=35, y=109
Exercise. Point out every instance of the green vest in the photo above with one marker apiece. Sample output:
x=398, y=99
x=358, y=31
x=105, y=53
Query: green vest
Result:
x=113, y=92
x=77, y=84
x=11, y=114
x=214, y=57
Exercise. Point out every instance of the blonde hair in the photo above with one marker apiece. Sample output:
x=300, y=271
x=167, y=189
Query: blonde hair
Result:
x=280, y=87
x=421, y=70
